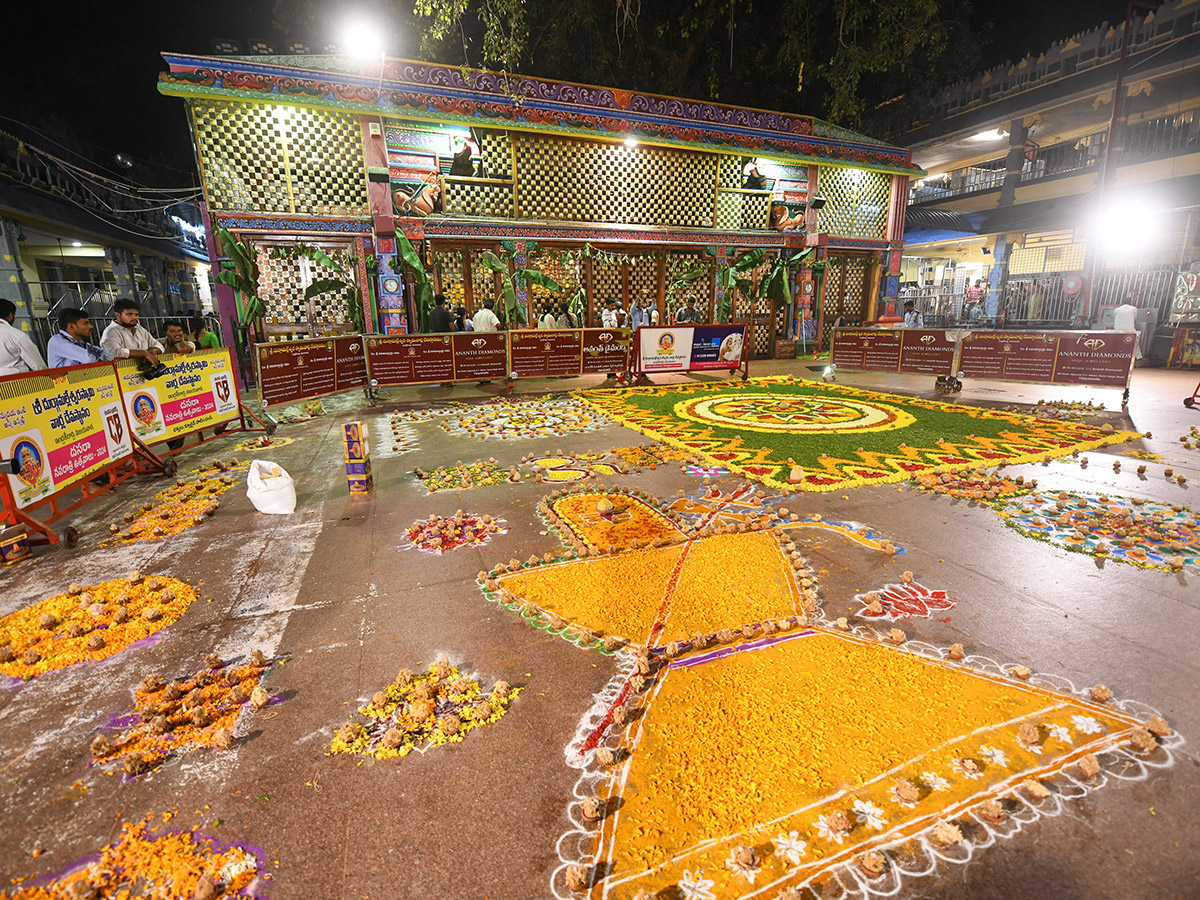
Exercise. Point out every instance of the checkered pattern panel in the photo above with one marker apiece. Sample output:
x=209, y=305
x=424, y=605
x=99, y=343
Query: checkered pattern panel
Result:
x=856, y=202
x=275, y=158
x=483, y=282
x=729, y=170
x=606, y=285
x=326, y=157
x=563, y=269
x=585, y=181
x=756, y=212
x=282, y=283
x=493, y=201
x=451, y=281
x=241, y=156
x=701, y=289
x=496, y=155
x=643, y=281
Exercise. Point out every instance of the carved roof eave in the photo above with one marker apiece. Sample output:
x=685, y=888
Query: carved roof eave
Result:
x=777, y=136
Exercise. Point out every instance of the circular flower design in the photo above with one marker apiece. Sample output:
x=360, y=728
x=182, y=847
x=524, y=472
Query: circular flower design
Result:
x=793, y=414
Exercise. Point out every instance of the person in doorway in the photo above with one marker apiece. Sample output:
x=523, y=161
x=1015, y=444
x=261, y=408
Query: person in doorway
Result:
x=912, y=316
x=460, y=318
x=976, y=292
x=608, y=318
x=70, y=347
x=124, y=338
x=439, y=320
x=687, y=314
x=17, y=351
x=486, y=319
x=174, y=340
x=565, y=319
x=204, y=338
x=637, y=315
x=547, y=320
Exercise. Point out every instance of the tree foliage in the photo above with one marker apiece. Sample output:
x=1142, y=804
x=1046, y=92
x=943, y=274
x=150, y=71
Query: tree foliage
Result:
x=866, y=64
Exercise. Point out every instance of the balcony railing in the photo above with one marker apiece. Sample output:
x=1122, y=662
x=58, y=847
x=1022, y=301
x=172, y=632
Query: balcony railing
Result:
x=967, y=180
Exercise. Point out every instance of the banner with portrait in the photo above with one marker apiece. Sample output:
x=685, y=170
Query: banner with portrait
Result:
x=195, y=390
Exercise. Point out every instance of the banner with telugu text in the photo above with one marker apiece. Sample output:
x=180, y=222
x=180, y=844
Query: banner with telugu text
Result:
x=61, y=426
x=197, y=391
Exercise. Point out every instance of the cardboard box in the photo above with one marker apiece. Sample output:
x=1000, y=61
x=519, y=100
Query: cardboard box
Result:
x=360, y=468
x=359, y=485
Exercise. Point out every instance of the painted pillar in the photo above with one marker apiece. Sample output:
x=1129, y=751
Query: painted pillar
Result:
x=1018, y=134
x=889, y=278
x=519, y=258
x=997, y=276
x=13, y=285
x=121, y=261
x=718, y=290
x=159, y=301
x=224, y=301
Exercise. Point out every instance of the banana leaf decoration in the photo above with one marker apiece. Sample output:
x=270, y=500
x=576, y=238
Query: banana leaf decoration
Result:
x=424, y=289
x=243, y=277
x=730, y=276
x=514, y=311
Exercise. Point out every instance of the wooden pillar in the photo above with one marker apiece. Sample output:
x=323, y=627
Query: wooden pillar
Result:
x=589, y=291
x=661, y=292
x=468, y=282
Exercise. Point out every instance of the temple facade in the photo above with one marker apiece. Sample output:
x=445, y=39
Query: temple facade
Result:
x=613, y=194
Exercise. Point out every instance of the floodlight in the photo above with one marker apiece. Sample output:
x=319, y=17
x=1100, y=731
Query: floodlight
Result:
x=816, y=203
x=362, y=40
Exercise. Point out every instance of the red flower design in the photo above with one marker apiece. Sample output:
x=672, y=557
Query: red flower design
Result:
x=904, y=601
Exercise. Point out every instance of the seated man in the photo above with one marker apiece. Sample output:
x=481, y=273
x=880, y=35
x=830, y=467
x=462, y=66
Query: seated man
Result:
x=175, y=341
x=70, y=347
x=124, y=338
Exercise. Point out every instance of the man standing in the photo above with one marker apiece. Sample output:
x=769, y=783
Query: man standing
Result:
x=637, y=316
x=608, y=317
x=124, y=338
x=912, y=315
x=17, y=352
x=686, y=315
x=174, y=341
x=485, y=319
x=70, y=346
x=439, y=319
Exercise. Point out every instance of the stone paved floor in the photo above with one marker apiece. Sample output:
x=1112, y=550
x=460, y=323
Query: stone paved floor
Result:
x=328, y=588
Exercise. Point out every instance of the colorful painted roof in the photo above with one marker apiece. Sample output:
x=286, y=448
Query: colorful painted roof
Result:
x=457, y=95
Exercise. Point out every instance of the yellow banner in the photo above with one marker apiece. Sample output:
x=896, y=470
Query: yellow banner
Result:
x=197, y=390
x=61, y=426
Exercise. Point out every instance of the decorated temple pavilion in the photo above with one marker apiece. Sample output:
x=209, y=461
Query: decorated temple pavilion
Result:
x=615, y=194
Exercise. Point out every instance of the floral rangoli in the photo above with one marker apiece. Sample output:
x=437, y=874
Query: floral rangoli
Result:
x=441, y=534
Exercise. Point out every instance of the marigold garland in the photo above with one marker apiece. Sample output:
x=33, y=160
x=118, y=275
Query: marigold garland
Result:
x=418, y=712
x=170, y=866
x=185, y=714
x=866, y=437
x=89, y=624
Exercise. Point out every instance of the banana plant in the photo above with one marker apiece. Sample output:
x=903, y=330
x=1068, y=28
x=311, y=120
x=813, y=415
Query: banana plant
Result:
x=241, y=274
x=346, y=283
x=424, y=288
x=575, y=307
x=514, y=311
x=733, y=275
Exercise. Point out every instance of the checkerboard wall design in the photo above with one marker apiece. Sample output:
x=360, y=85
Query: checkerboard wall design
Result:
x=496, y=155
x=241, y=156
x=643, y=280
x=606, y=284
x=252, y=152
x=483, y=281
x=598, y=182
x=450, y=276
x=282, y=283
x=856, y=202
x=677, y=264
x=564, y=270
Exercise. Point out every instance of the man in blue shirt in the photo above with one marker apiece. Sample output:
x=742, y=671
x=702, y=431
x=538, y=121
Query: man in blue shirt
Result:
x=70, y=346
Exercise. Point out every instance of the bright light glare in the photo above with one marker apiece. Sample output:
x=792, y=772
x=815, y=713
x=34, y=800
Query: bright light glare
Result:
x=76, y=244
x=631, y=142
x=1127, y=226
x=992, y=134
x=362, y=40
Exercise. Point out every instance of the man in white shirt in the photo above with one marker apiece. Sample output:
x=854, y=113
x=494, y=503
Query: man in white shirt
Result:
x=126, y=339
x=912, y=315
x=608, y=317
x=17, y=351
x=485, y=319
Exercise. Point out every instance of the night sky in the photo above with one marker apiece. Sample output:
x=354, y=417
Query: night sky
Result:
x=84, y=74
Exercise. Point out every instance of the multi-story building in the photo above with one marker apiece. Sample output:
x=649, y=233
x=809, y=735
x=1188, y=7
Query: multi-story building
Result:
x=615, y=194
x=1060, y=206
x=70, y=237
